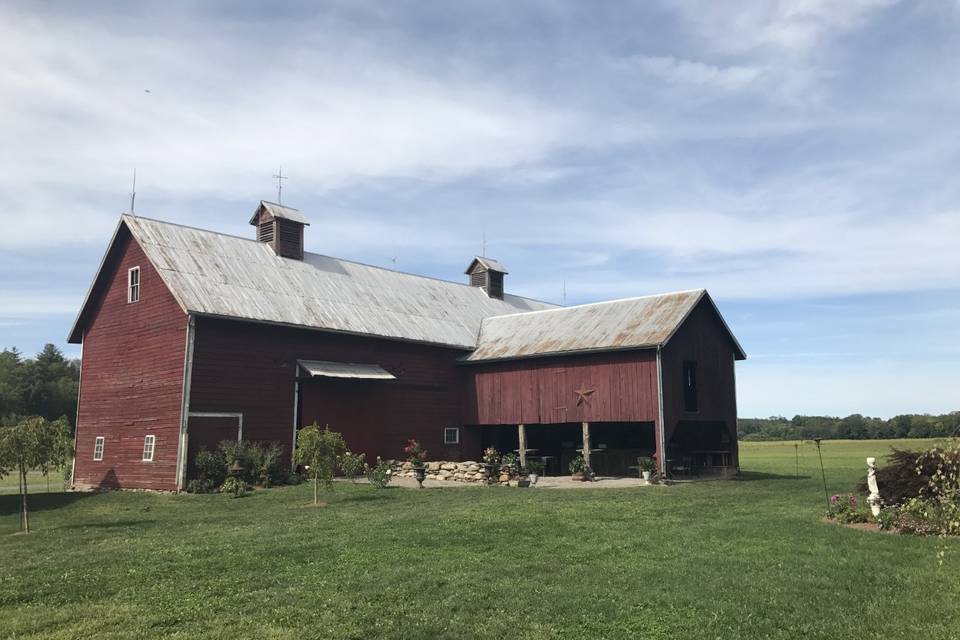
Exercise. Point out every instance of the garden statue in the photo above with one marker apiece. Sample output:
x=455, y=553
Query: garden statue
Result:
x=874, y=498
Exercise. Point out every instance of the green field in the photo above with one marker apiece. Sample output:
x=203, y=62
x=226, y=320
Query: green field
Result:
x=726, y=559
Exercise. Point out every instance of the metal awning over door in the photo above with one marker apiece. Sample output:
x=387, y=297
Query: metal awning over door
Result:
x=327, y=369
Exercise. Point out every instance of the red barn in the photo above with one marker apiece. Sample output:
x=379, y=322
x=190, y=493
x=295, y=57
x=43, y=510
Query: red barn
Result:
x=191, y=337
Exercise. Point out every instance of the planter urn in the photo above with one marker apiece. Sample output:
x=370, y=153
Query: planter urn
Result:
x=420, y=474
x=645, y=475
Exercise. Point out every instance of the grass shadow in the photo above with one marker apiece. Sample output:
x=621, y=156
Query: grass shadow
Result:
x=119, y=524
x=10, y=503
x=750, y=476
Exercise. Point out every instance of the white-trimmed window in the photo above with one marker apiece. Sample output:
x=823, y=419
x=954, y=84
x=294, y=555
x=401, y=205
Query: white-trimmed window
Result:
x=98, y=448
x=133, y=285
x=148, y=445
x=451, y=435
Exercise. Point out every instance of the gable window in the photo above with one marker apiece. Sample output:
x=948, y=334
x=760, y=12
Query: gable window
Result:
x=98, y=448
x=133, y=285
x=148, y=444
x=451, y=435
x=689, y=385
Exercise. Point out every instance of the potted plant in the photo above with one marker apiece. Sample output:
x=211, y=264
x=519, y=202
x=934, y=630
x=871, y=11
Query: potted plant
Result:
x=491, y=463
x=647, y=467
x=578, y=469
x=416, y=455
x=534, y=471
x=510, y=464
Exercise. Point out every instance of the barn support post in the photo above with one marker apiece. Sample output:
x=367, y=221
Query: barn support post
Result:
x=185, y=407
x=522, y=438
x=296, y=419
x=585, y=427
x=661, y=443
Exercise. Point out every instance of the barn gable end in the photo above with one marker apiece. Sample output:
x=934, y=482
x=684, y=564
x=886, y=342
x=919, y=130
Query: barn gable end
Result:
x=132, y=359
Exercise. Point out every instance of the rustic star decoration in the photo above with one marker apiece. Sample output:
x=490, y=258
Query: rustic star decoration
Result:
x=583, y=396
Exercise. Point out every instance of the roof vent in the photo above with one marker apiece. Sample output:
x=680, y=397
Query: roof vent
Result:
x=281, y=227
x=488, y=275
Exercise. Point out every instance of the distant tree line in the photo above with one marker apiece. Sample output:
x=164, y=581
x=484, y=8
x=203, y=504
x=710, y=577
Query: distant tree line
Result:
x=853, y=427
x=44, y=386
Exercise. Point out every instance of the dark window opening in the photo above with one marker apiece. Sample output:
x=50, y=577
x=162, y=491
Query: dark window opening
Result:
x=689, y=385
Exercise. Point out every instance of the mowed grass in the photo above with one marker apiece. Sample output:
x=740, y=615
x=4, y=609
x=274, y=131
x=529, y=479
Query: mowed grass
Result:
x=726, y=559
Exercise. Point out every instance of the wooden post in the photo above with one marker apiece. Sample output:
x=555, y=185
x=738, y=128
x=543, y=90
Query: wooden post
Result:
x=586, y=444
x=522, y=436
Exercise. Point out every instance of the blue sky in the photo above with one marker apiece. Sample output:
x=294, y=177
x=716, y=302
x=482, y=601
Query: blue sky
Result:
x=797, y=158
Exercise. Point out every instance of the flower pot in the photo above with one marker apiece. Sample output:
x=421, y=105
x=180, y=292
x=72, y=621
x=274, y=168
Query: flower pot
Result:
x=420, y=473
x=533, y=479
x=645, y=475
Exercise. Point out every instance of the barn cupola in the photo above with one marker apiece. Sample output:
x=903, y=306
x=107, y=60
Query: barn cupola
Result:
x=488, y=275
x=281, y=227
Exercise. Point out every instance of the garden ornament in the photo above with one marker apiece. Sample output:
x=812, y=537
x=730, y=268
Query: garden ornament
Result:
x=874, y=498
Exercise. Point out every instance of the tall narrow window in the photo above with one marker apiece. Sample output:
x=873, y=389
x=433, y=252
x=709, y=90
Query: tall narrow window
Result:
x=148, y=443
x=689, y=385
x=98, y=448
x=133, y=285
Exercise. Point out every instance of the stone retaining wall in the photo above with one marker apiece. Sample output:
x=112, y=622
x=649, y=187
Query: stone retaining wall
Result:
x=456, y=471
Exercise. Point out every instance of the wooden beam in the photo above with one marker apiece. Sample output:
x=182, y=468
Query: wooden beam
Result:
x=586, y=444
x=522, y=436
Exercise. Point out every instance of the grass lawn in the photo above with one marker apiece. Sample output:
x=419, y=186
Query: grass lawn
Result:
x=727, y=559
x=36, y=483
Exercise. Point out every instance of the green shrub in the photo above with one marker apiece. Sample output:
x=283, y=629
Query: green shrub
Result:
x=646, y=464
x=578, y=465
x=351, y=465
x=211, y=467
x=535, y=466
x=201, y=485
x=268, y=463
x=243, y=453
x=848, y=510
x=379, y=474
x=318, y=450
x=235, y=486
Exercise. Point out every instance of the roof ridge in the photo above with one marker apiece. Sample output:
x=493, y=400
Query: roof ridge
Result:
x=598, y=303
x=322, y=255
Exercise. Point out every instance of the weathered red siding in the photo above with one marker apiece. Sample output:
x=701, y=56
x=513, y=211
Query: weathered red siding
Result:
x=250, y=368
x=543, y=390
x=132, y=377
x=703, y=339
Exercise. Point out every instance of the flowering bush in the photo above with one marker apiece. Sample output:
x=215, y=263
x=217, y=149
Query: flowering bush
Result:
x=491, y=456
x=416, y=454
x=847, y=510
x=351, y=464
x=379, y=474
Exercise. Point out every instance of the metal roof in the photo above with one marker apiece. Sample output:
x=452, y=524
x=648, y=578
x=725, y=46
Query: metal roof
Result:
x=632, y=323
x=221, y=275
x=326, y=369
x=280, y=211
x=488, y=263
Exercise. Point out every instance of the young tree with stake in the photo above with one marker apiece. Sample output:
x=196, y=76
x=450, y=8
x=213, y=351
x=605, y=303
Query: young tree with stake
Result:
x=319, y=449
x=33, y=443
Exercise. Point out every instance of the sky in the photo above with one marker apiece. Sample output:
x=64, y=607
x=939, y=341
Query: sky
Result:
x=797, y=158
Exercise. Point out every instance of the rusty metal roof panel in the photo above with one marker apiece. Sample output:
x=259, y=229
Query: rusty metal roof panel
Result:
x=220, y=275
x=632, y=323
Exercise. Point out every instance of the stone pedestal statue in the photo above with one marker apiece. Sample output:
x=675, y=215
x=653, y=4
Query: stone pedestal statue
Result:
x=874, y=498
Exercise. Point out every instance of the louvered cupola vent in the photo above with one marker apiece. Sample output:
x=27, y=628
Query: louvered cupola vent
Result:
x=488, y=275
x=281, y=227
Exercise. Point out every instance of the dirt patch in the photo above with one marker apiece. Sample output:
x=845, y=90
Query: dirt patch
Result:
x=859, y=526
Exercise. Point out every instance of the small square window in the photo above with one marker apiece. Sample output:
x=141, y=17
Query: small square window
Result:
x=148, y=444
x=98, y=448
x=451, y=435
x=133, y=285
